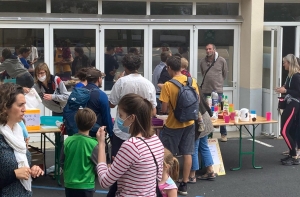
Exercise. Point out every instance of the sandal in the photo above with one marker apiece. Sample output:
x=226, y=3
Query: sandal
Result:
x=208, y=176
x=191, y=180
x=286, y=152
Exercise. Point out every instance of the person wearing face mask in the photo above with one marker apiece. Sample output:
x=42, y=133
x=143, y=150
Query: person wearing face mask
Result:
x=15, y=69
x=51, y=89
x=98, y=99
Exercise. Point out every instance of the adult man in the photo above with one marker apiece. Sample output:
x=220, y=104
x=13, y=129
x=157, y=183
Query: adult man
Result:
x=156, y=74
x=214, y=77
x=98, y=99
x=110, y=66
x=132, y=82
x=178, y=137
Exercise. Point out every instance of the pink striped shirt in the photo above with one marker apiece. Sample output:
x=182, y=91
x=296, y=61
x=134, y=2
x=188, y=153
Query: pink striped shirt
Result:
x=134, y=168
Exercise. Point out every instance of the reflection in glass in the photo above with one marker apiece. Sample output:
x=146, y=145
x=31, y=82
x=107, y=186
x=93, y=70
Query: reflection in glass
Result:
x=267, y=59
x=217, y=9
x=282, y=12
x=171, y=8
x=31, y=6
x=122, y=41
x=32, y=39
x=223, y=39
x=66, y=59
x=124, y=7
x=78, y=7
x=177, y=41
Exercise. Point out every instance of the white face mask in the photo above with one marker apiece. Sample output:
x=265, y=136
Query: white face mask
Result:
x=42, y=79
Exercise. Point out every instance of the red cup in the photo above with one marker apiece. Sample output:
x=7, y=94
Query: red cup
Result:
x=216, y=108
x=232, y=114
x=227, y=119
x=268, y=116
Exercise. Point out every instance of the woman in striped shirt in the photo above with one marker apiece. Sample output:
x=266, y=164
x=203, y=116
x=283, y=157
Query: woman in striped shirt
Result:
x=134, y=167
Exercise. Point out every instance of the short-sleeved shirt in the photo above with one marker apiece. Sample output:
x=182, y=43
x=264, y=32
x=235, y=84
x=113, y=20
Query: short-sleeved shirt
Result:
x=168, y=185
x=169, y=94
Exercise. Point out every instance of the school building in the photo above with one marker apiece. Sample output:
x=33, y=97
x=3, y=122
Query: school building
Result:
x=252, y=35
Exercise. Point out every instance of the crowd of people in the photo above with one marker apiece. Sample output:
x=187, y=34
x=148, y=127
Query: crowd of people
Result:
x=137, y=153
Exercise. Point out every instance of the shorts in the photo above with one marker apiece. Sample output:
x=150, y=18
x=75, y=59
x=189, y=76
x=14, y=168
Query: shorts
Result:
x=179, y=141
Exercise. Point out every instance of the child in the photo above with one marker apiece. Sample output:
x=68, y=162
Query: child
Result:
x=25, y=132
x=167, y=186
x=80, y=157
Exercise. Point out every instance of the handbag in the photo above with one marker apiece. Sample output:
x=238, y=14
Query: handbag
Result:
x=281, y=102
x=158, y=193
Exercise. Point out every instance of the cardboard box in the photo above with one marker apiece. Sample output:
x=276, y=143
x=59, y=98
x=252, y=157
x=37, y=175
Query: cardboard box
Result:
x=32, y=119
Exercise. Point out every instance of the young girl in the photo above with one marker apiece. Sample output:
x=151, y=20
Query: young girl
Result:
x=167, y=186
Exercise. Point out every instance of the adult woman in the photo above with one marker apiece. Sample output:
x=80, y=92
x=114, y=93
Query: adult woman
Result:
x=23, y=54
x=134, y=159
x=51, y=89
x=80, y=60
x=63, y=60
x=15, y=159
x=15, y=69
x=290, y=116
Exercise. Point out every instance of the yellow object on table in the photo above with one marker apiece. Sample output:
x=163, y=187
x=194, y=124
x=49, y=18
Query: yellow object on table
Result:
x=32, y=119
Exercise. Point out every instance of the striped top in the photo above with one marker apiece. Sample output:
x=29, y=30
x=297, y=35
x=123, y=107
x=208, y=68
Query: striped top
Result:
x=134, y=168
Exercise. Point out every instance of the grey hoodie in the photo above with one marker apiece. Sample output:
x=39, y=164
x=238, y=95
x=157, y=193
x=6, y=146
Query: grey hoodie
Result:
x=13, y=67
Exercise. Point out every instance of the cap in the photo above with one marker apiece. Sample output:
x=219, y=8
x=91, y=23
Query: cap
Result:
x=94, y=73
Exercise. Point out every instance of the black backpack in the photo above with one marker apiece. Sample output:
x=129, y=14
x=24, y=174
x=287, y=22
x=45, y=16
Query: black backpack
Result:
x=187, y=104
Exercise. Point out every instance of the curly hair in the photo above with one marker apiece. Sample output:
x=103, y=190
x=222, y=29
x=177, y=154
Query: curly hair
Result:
x=8, y=94
x=132, y=62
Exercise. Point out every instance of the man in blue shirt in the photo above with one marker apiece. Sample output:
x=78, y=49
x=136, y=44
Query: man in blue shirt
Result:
x=98, y=99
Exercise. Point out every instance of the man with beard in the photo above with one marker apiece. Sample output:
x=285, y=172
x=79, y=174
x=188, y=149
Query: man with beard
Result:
x=214, y=77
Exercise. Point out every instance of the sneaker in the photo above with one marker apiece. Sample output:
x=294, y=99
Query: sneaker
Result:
x=223, y=138
x=182, y=188
x=291, y=161
x=286, y=158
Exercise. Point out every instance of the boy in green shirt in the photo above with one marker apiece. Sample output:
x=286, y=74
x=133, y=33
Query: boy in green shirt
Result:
x=80, y=157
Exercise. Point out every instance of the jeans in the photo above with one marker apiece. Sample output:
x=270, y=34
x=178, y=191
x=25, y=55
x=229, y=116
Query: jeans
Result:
x=223, y=130
x=201, y=145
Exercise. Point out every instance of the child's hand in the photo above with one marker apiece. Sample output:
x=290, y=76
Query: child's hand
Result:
x=101, y=134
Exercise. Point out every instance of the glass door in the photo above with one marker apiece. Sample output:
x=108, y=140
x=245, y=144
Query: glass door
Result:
x=272, y=72
x=118, y=41
x=226, y=40
x=71, y=48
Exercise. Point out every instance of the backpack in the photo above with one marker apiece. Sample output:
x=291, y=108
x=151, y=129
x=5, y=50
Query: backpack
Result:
x=187, y=104
x=77, y=99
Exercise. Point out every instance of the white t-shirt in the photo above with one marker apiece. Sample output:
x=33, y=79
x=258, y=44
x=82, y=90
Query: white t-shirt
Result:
x=133, y=83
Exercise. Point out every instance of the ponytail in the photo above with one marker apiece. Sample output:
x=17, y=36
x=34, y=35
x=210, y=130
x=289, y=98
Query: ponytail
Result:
x=174, y=171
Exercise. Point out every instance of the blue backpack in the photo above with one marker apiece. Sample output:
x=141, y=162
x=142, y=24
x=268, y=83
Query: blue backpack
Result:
x=187, y=104
x=77, y=99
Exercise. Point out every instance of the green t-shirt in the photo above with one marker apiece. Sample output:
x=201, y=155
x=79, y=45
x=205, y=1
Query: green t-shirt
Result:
x=80, y=161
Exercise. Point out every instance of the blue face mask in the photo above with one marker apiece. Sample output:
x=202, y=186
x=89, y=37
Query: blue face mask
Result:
x=120, y=123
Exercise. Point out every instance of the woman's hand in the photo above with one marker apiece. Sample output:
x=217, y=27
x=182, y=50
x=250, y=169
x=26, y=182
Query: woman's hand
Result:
x=36, y=171
x=47, y=97
x=26, y=90
x=23, y=173
x=280, y=90
x=101, y=135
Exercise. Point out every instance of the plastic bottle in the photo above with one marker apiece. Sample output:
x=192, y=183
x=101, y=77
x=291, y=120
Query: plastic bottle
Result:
x=215, y=98
x=222, y=102
x=209, y=101
x=226, y=105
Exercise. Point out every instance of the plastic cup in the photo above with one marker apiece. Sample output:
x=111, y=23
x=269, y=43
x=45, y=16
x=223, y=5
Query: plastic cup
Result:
x=232, y=115
x=231, y=107
x=236, y=119
x=268, y=116
x=227, y=119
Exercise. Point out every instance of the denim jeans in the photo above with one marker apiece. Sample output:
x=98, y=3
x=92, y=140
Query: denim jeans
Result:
x=223, y=130
x=201, y=145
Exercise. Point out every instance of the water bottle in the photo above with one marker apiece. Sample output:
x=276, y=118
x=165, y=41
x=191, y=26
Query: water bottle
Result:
x=209, y=101
x=215, y=98
x=222, y=102
x=226, y=105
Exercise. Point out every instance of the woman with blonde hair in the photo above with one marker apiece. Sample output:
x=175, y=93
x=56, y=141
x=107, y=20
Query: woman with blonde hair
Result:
x=290, y=116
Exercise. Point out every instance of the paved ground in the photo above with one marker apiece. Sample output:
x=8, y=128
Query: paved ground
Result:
x=273, y=180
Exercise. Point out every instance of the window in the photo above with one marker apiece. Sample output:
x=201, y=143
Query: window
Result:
x=78, y=7
x=37, y=6
x=217, y=9
x=124, y=8
x=282, y=12
x=171, y=8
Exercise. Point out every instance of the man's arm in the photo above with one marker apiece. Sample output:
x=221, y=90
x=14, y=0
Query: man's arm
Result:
x=105, y=113
x=225, y=69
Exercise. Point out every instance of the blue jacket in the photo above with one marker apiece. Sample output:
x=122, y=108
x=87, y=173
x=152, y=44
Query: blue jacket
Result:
x=100, y=105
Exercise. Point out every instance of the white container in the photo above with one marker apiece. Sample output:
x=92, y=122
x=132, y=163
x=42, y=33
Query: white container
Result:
x=209, y=101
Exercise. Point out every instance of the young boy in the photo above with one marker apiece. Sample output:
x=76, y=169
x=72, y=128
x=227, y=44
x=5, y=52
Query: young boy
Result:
x=80, y=157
